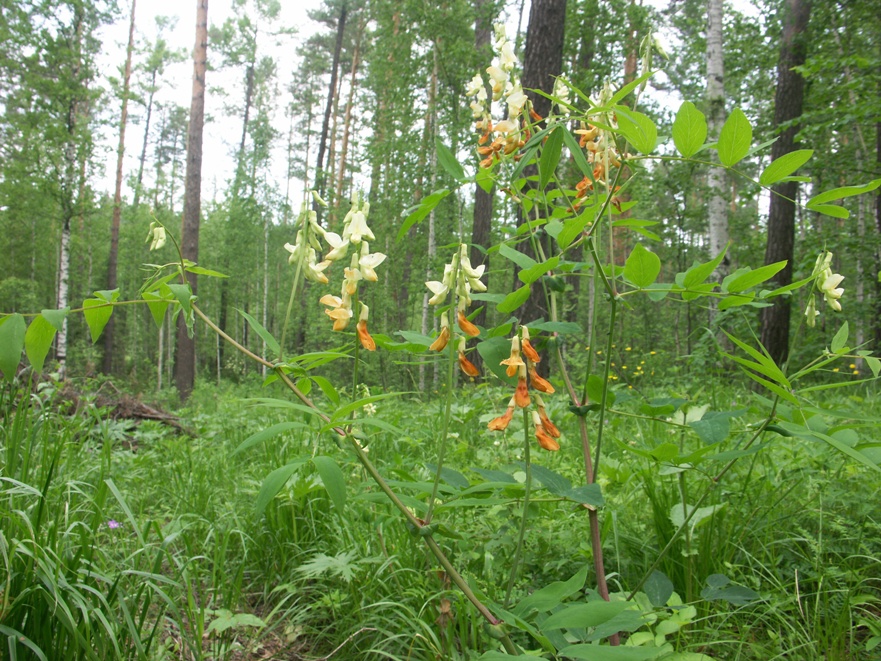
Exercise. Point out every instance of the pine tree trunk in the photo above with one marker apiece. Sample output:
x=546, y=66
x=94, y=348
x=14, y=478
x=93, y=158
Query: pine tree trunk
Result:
x=110, y=328
x=788, y=102
x=320, y=179
x=717, y=221
x=347, y=122
x=185, y=356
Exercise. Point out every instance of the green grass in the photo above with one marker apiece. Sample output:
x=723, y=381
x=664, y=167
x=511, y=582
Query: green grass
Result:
x=193, y=571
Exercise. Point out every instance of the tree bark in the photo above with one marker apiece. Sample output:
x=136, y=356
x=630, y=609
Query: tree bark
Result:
x=542, y=61
x=320, y=179
x=717, y=212
x=110, y=328
x=788, y=102
x=185, y=356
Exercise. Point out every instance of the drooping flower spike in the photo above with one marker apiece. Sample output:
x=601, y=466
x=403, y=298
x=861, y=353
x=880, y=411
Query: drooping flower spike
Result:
x=545, y=430
x=827, y=283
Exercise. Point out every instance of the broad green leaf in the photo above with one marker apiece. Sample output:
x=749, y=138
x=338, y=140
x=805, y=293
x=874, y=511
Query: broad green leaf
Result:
x=785, y=166
x=734, y=301
x=642, y=266
x=485, y=179
x=333, y=480
x=573, y=227
x=755, y=277
x=97, y=313
x=421, y=211
x=12, y=335
x=198, y=270
x=841, y=193
x=520, y=259
x=184, y=296
x=552, y=481
x=514, y=300
x=582, y=616
x=874, y=365
x=586, y=494
x=639, y=130
x=550, y=157
x=38, y=340
x=107, y=295
x=689, y=129
x=832, y=210
x=274, y=483
x=533, y=273
x=698, y=273
x=271, y=342
x=840, y=339
x=553, y=594
x=327, y=388
x=622, y=93
x=658, y=588
x=268, y=433
x=701, y=514
x=804, y=432
x=448, y=161
x=734, y=139
x=587, y=652
x=158, y=306
x=493, y=351
x=56, y=317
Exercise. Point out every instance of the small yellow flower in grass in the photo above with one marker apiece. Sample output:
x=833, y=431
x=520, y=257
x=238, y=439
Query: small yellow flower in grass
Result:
x=834, y=369
x=627, y=349
x=652, y=353
x=856, y=371
x=853, y=366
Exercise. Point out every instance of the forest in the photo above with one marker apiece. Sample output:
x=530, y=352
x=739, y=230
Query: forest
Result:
x=471, y=329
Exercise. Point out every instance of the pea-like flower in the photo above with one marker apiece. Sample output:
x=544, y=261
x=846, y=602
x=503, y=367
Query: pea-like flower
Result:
x=156, y=236
x=467, y=367
x=363, y=336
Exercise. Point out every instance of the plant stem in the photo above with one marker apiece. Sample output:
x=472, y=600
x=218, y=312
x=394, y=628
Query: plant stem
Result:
x=604, y=402
x=515, y=565
x=287, y=314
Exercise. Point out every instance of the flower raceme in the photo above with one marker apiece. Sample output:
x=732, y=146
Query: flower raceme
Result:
x=460, y=278
x=545, y=430
x=827, y=283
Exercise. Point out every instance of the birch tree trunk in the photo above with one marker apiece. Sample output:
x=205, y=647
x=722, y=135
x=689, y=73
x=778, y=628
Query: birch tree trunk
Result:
x=110, y=328
x=717, y=211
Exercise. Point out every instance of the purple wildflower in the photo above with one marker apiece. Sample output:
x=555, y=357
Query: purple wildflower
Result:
x=113, y=524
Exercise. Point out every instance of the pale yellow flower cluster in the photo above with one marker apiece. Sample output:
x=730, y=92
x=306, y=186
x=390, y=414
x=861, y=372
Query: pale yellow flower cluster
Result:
x=827, y=283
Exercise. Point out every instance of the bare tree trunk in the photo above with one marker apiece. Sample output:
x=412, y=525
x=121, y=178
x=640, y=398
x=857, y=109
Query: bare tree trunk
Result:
x=788, y=102
x=110, y=328
x=320, y=179
x=347, y=123
x=143, y=157
x=717, y=221
x=185, y=357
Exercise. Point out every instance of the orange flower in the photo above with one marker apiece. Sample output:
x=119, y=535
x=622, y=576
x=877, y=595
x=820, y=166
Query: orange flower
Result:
x=514, y=362
x=539, y=383
x=366, y=341
x=544, y=440
x=528, y=350
x=501, y=423
x=441, y=342
x=521, y=395
x=547, y=425
x=466, y=365
x=467, y=327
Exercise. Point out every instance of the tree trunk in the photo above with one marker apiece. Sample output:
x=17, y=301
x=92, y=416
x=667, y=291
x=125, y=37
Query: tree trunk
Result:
x=320, y=179
x=143, y=157
x=788, y=102
x=717, y=221
x=347, y=122
x=109, y=329
x=185, y=356
x=430, y=118
x=542, y=61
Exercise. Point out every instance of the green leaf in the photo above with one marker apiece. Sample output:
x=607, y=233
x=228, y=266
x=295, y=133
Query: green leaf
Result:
x=754, y=277
x=734, y=139
x=553, y=594
x=689, y=129
x=38, y=340
x=421, y=211
x=520, y=259
x=841, y=193
x=12, y=336
x=586, y=494
x=550, y=157
x=533, y=273
x=343, y=412
x=198, y=270
x=582, y=616
x=698, y=273
x=56, y=317
x=184, y=296
x=769, y=367
x=514, y=300
x=587, y=652
x=97, y=313
x=266, y=434
x=784, y=166
x=639, y=130
x=107, y=295
x=832, y=210
x=485, y=179
x=701, y=514
x=333, y=480
x=158, y=306
x=642, y=266
x=840, y=339
x=622, y=93
x=493, y=351
x=658, y=588
x=274, y=483
x=577, y=153
x=327, y=388
x=562, y=327
x=448, y=161
x=552, y=481
x=874, y=365
x=271, y=342
x=736, y=300
x=804, y=432
x=573, y=227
